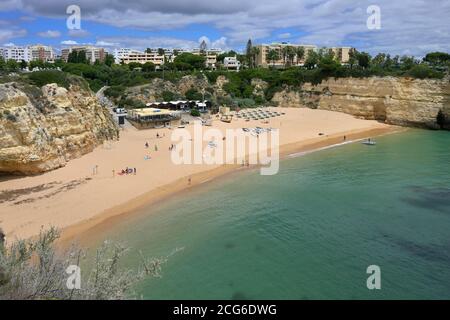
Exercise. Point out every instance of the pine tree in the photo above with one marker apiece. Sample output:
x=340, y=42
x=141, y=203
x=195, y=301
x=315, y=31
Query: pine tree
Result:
x=248, y=52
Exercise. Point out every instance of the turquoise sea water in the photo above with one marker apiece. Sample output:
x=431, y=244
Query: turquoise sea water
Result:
x=310, y=231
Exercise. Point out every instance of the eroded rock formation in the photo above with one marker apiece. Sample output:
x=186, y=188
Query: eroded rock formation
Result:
x=400, y=101
x=42, y=129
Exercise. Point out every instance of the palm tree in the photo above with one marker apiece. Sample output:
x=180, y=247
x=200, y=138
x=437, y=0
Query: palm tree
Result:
x=284, y=54
x=248, y=52
x=300, y=51
x=273, y=56
x=162, y=53
x=254, y=53
x=291, y=55
x=203, y=47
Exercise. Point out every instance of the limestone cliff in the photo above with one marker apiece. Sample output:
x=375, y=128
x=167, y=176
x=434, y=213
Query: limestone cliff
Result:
x=154, y=90
x=42, y=129
x=400, y=101
x=395, y=100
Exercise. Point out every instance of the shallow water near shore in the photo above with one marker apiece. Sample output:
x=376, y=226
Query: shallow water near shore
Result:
x=309, y=232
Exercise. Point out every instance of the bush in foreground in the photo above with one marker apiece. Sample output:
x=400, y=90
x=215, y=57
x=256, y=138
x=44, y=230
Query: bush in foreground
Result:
x=34, y=270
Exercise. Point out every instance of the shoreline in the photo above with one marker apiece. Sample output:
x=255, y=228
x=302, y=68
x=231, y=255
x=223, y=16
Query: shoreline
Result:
x=83, y=232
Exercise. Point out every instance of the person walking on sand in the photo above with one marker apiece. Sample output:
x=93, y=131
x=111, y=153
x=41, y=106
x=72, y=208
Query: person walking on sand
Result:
x=189, y=181
x=146, y=145
x=345, y=138
x=156, y=147
x=157, y=135
x=114, y=173
x=134, y=171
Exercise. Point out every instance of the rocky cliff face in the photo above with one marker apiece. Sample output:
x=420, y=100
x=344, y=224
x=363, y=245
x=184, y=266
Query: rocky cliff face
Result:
x=400, y=101
x=42, y=129
x=154, y=90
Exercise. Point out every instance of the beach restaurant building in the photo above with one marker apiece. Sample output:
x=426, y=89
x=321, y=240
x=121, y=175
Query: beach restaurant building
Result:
x=202, y=106
x=145, y=118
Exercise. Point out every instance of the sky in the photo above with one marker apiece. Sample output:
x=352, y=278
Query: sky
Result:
x=407, y=27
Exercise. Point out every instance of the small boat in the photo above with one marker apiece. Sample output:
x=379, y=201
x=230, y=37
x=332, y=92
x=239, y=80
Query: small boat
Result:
x=369, y=142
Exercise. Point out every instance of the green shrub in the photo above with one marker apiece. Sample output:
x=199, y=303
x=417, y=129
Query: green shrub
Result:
x=193, y=94
x=115, y=91
x=195, y=113
x=131, y=103
x=168, y=96
x=245, y=103
x=422, y=71
x=41, y=78
x=36, y=269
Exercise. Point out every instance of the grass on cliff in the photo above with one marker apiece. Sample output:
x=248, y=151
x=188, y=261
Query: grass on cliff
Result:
x=62, y=79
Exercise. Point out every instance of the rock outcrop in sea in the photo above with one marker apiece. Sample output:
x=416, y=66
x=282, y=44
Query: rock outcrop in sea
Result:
x=43, y=128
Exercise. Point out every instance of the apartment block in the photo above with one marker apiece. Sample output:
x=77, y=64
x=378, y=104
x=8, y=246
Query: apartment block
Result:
x=126, y=56
x=341, y=53
x=231, y=63
x=93, y=54
x=15, y=53
x=41, y=53
x=143, y=57
x=262, y=59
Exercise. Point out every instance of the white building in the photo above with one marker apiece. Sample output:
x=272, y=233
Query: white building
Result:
x=93, y=53
x=15, y=53
x=231, y=63
x=126, y=56
x=122, y=53
x=41, y=53
x=154, y=55
x=29, y=53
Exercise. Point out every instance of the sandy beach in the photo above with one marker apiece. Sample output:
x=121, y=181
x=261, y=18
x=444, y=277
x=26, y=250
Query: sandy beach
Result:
x=75, y=198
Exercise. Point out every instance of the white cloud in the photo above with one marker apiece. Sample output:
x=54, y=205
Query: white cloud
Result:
x=147, y=42
x=206, y=39
x=286, y=35
x=69, y=42
x=415, y=25
x=220, y=43
x=81, y=33
x=141, y=43
x=49, y=34
x=9, y=44
x=10, y=5
x=8, y=34
x=106, y=44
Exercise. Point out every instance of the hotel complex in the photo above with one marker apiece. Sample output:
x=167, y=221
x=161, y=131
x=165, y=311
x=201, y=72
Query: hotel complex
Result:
x=127, y=56
x=93, y=54
x=286, y=54
x=263, y=59
x=27, y=54
x=159, y=56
